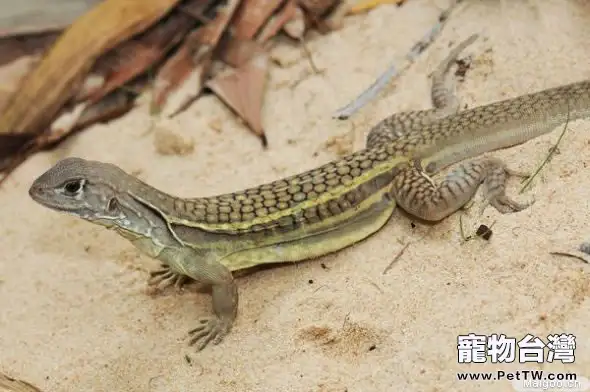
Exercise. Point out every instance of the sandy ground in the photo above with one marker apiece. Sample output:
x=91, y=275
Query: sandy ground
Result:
x=75, y=312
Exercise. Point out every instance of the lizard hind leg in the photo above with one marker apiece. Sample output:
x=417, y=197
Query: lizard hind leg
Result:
x=495, y=188
x=421, y=197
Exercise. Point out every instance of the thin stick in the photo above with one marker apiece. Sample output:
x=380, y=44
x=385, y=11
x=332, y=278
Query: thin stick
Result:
x=391, y=71
x=396, y=258
x=573, y=255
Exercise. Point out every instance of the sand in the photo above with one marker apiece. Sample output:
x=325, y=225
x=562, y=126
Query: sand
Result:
x=76, y=314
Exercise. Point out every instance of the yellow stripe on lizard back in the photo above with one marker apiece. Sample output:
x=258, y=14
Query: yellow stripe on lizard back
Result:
x=304, y=198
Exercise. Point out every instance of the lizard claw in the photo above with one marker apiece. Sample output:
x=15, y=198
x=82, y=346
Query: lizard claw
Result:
x=209, y=330
x=505, y=204
x=165, y=277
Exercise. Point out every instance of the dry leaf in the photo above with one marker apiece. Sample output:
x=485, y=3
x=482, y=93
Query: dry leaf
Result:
x=318, y=7
x=134, y=57
x=85, y=114
x=242, y=90
x=180, y=80
x=54, y=80
x=13, y=48
x=277, y=21
x=252, y=15
x=235, y=51
x=317, y=10
x=295, y=27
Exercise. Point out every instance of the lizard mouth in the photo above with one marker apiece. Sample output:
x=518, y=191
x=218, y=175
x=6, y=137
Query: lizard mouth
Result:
x=37, y=193
x=47, y=198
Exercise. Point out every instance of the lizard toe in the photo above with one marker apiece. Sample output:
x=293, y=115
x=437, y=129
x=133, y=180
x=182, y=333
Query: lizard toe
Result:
x=163, y=278
x=209, y=330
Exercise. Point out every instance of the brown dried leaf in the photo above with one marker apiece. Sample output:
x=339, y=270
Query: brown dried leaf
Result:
x=197, y=9
x=12, y=48
x=180, y=80
x=317, y=10
x=235, y=52
x=277, y=21
x=295, y=27
x=242, y=90
x=318, y=7
x=134, y=57
x=252, y=15
x=113, y=105
x=62, y=69
x=175, y=70
x=212, y=32
x=335, y=20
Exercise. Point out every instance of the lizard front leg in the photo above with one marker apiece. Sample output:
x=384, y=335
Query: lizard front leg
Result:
x=165, y=277
x=224, y=291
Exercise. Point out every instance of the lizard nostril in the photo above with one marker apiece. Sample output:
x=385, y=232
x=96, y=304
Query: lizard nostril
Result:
x=35, y=190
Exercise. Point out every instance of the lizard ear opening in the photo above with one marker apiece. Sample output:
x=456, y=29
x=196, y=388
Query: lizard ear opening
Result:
x=113, y=205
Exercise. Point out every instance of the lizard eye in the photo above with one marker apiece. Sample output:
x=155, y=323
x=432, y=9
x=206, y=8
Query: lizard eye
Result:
x=73, y=187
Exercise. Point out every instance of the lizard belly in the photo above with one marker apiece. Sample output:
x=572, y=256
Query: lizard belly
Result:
x=312, y=246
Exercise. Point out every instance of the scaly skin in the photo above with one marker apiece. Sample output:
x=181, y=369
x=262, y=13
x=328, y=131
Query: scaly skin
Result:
x=319, y=211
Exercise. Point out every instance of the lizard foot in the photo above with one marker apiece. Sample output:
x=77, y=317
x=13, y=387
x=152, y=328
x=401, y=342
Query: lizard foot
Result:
x=505, y=204
x=210, y=330
x=165, y=277
x=495, y=188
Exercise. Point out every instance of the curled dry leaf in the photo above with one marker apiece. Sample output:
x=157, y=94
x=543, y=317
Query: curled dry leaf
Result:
x=277, y=21
x=44, y=92
x=13, y=48
x=198, y=9
x=134, y=57
x=335, y=19
x=242, y=89
x=180, y=76
x=252, y=15
x=318, y=7
x=295, y=27
x=317, y=10
x=180, y=80
x=235, y=51
x=83, y=114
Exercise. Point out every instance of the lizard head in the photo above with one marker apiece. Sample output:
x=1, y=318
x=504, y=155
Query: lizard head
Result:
x=87, y=189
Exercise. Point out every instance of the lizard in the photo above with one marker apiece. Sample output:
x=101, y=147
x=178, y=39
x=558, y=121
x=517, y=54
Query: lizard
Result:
x=320, y=211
